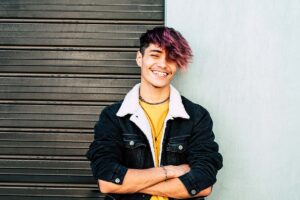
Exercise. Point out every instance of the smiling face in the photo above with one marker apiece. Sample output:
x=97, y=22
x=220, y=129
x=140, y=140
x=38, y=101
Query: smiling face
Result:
x=156, y=70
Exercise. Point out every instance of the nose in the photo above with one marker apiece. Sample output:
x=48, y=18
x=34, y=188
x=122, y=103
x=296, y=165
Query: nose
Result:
x=162, y=63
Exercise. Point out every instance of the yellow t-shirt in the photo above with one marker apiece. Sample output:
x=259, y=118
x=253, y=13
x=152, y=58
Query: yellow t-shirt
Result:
x=156, y=115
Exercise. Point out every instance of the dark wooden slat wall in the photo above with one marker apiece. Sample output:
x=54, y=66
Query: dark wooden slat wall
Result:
x=61, y=63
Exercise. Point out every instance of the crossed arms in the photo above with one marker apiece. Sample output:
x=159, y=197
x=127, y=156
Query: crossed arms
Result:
x=184, y=181
x=153, y=181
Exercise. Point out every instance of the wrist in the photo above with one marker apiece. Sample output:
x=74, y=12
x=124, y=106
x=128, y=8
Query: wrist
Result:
x=170, y=171
x=165, y=172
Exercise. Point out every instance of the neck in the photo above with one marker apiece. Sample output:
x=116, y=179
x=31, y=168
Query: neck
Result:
x=153, y=94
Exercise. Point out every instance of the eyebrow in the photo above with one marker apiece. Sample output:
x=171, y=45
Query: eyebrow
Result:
x=156, y=50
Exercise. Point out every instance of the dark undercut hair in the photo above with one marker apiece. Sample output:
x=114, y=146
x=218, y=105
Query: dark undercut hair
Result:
x=175, y=45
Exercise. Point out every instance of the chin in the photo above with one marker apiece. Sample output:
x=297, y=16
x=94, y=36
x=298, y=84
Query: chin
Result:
x=156, y=86
x=155, y=83
x=160, y=85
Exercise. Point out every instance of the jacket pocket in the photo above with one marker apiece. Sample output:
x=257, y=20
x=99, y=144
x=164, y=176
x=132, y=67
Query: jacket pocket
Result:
x=176, y=149
x=134, y=151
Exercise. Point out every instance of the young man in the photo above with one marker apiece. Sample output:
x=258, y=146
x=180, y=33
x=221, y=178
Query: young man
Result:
x=156, y=144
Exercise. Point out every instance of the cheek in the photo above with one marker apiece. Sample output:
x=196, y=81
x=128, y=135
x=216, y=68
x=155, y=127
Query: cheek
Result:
x=145, y=71
x=148, y=62
x=174, y=70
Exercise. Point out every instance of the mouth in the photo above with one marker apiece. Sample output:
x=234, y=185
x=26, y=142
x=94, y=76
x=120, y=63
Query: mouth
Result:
x=160, y=74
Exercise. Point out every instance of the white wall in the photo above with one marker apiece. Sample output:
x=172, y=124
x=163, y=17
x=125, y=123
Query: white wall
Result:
x=246, y=73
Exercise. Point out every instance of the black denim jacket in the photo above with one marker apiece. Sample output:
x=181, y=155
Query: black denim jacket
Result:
x=119, y=144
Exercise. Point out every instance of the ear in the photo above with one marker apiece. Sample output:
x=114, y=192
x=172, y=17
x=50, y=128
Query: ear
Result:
x=139, y=58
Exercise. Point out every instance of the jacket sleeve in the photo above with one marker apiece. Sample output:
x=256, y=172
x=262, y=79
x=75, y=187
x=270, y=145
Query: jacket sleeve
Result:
x=202, y=155
x=105, y=152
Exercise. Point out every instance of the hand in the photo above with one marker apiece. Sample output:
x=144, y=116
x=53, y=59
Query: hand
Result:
x=177, y=171
x=185, y=167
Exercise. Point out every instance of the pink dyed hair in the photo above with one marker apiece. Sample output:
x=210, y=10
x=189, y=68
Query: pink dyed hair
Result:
x=172, y=41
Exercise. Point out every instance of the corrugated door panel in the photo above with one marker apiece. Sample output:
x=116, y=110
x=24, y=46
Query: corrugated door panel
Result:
x=68, y=62
x=47, y=88
x=57, y=34
x=48, y=193
x=61, y=63
x=87, y=9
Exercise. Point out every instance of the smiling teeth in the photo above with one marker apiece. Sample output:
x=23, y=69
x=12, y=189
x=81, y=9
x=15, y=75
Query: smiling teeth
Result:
x=160, y=73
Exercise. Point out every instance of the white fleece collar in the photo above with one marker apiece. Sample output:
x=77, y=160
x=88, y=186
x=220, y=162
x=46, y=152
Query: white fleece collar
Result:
x=131, y=104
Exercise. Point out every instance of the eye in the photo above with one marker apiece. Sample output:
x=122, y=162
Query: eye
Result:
x=154, y=55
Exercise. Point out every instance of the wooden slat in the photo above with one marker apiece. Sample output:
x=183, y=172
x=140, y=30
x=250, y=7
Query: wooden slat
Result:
x=68, y=62
x=56, y=149
x=45, y=34
x=64, y=90
x=88, y=9
x=68, y=82
x=48, y=136
x=70, y=89
x=32, y=157
x=18, y=165
x=42, y=94
x=48, y=193
x=46, y=144
x=52, y=176
x=46, y=123
x=49, y=109
x=48, y=116
x=53, y=117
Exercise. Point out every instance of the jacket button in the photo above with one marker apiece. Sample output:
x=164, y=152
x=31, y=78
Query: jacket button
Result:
x=131, y=143
x=117, y=180
x=180, y=147
x=193, y=192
